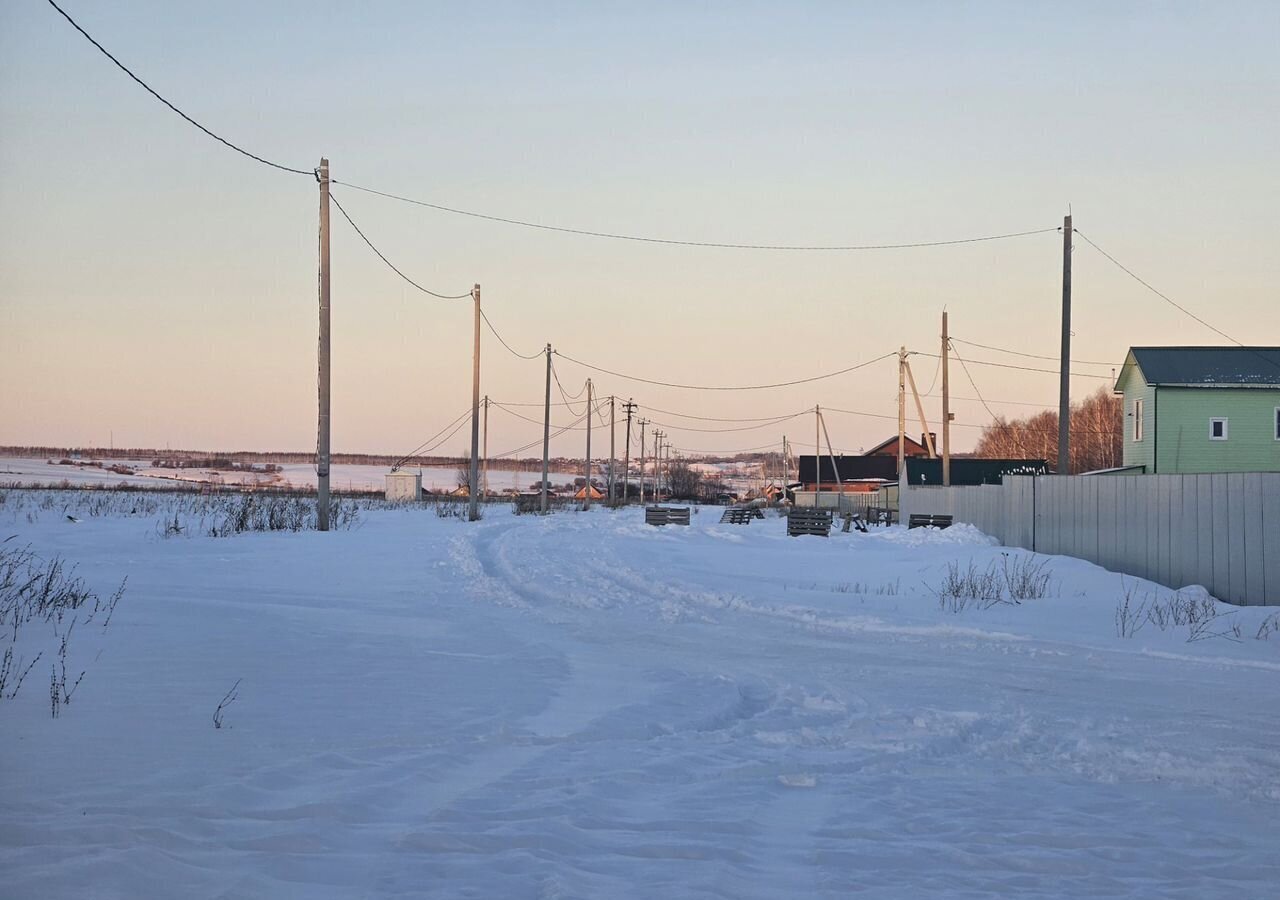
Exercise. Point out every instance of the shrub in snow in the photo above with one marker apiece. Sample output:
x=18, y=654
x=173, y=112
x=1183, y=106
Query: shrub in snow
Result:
x=1011, y=580
x=33, y=589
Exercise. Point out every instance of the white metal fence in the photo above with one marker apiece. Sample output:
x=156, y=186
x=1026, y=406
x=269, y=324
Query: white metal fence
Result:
x=1221, y=531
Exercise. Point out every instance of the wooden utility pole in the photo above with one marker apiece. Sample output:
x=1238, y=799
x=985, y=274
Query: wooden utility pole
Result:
x=612, y=448
x=928, y=441
x=657, y=466
x=817, y=456
x=1064, y=374
x=473, y=484
x=546, y=436
x=626, y=456
x=485, y=478
x=643, y=422
x=322, y=430
x=946, y=404
x=902, y=410
x=586, y=490
x=835, y=467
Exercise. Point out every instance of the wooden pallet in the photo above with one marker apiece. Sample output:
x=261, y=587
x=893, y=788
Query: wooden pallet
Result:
x=666, y=515
x=928, y=521
x=802, y=521
x=736, y=515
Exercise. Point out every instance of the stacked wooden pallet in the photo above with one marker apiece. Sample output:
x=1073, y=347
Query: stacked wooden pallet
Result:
x=801, y=521
x=666, y=515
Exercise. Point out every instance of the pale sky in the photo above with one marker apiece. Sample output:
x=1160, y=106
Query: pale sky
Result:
x=161, y=289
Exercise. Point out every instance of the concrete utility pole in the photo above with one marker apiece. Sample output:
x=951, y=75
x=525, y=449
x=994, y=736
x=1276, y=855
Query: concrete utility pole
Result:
x=1064, y=375
x=946, y=404
x=626, y=454
x=643, y=422
x=586, y=491
x=546, y=436
x=485, y=478
x=322, y=430
x=612, y=448
x=902, y=410
x=473, y=484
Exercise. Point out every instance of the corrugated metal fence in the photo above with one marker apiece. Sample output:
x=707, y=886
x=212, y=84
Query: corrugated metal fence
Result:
x=1221, y=531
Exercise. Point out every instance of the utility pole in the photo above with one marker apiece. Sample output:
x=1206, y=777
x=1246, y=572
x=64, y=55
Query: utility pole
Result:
x=485, y=478
x=928, y=441
x=643, y=422
x=322, y=431
x=657, y=466
x=612, y=423
x=902, y=410
x=817, y=456
x=546, y=435
x=626, y=454
x=473, y=487
x=1064, y=374
x=946, y=404
x=586, y=490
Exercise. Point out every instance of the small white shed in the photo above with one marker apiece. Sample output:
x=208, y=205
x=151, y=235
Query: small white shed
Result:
x=403, y=485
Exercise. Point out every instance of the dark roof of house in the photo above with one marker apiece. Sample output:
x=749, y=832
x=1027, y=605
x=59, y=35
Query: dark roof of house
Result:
x=912, y=445
x=1208, y=366
x=921, y=470
x=852, y=468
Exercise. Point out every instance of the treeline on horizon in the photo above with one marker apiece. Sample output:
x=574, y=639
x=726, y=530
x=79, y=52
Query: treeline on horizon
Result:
x=523, y=464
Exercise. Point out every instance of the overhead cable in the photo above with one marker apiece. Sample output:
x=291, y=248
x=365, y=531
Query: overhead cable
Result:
x=392, y=265
x=123, y=68
x=1082, y=362
x=502, y=341
x=723, y=245
x=700, y=387
x=983, y=362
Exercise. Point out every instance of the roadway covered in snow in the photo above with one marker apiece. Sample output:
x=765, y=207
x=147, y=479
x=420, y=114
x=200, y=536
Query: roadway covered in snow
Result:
x=583, y=706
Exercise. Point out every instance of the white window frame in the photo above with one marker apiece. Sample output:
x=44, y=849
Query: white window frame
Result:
x=1137, y=419
x=1226, y=430
x=1276, y=423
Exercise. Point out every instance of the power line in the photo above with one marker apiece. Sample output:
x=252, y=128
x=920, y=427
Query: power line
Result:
x=982, y=362
x=1165, y=297
x=1083, y=362
x=505, y=344
x=538, y=441
x=123, y=68
x=729, y=452
x=389, y=263
x=766, y=424
x=965, y=366
x=683, y=243
x=678, y=415
x=416, y=450
x=698, y=387
x=512, y=412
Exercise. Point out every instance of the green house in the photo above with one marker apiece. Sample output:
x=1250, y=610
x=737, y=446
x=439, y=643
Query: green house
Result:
x=1201, y=409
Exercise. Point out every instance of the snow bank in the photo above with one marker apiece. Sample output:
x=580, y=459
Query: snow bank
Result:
x=583, y=706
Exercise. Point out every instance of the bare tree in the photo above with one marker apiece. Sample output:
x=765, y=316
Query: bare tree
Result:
x=1097, y=434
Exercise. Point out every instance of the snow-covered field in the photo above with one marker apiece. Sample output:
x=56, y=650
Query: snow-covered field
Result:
x=583, y=706
x=343, y=476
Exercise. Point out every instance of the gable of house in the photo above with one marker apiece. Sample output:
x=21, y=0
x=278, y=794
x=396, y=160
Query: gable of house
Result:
x=1201, y=409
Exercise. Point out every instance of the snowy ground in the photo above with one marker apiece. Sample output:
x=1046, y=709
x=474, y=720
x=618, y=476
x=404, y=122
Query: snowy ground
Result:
x=583, y=706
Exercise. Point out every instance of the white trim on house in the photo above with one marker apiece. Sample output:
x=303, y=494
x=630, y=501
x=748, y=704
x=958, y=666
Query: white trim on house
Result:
x=1137, y=419
x=1215, y=420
